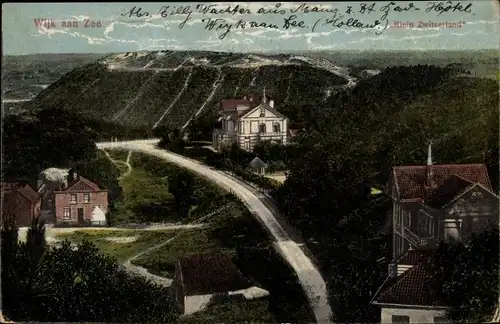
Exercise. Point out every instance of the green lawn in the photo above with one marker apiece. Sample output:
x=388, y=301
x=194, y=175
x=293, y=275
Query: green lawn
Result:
x=193, y=241
x=120, y=251
x=120, y=155
x=146, y=196
x=252, y=311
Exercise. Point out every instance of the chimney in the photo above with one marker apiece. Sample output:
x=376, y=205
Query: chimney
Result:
x=271, y=103
x=251, y=98
x=245, y=97
x=264, y=99
x=72, y=175
x=429, y=174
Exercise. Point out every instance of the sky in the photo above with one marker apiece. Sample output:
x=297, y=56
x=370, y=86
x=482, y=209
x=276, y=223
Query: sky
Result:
x=475, y=27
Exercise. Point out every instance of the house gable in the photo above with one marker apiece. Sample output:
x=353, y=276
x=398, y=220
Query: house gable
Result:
x=268, y=110
x=82, y=185
x=473, y=201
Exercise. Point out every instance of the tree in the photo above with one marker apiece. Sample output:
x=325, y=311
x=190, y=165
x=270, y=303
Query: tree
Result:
x=181, y=186
x=466, y=277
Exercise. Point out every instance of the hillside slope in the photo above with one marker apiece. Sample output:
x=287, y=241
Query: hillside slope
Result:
x=170, y=88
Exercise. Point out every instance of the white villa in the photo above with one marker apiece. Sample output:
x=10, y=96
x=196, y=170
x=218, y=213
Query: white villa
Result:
x=249, y=121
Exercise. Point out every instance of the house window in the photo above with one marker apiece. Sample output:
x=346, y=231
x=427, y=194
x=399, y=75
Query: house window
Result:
x=262, y=113
x=262, y=128
x=276, y=128
x=73, y=198
x=66, y=213
x=440, y=319
x=86, y=197
x=400, y=319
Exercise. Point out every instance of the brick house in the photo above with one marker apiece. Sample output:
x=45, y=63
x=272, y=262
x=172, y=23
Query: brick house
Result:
x=20, y=203
x=203, y=278
x=76, y=201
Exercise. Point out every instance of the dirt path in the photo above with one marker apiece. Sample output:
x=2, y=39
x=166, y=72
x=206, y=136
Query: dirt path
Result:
x=166, y=282
x=118, y=163
x=308, y=274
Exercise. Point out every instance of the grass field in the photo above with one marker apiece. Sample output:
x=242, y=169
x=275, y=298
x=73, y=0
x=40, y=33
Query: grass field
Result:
x=252, y=311
x=146, y=196
x=120, y=244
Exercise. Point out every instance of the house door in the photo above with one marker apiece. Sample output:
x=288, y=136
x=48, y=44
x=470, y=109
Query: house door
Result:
x=80, y=215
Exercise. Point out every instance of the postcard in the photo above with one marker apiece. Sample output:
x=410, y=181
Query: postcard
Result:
x=237, y=162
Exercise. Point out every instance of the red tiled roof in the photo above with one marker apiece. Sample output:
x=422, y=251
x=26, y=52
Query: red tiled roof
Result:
x=29, y=194
x=449, y=190
x=22, y=188
x=231, y=104
x=414, y=256
x=413, y=287
x=9, y=186
x=210, y=273
x=411, y=179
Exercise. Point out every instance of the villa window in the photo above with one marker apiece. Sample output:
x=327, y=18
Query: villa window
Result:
x=86, y=197
x=400, y=319
x=276, y=128
x=262, y=113
x=66, y=213
x=262, y=128
x=73, y=198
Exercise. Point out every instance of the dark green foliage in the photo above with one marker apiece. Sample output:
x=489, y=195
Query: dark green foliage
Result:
x=201, y=127
x=66, y=285
x=386, y=120
x=467, y=277
x=142, y=97
x=234, y=160
x=52, y=138
x=259, y=261
x=181, y=186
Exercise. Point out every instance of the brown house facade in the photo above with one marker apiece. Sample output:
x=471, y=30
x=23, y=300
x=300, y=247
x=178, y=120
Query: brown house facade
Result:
x=75, y=203
x=19, y=203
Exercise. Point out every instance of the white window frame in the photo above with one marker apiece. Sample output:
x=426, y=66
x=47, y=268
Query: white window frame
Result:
x=71, y=198
x=68, y=214
x=85, y=196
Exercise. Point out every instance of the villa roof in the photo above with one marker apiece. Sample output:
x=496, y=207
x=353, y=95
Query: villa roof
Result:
x=451, y=188
x=231, y=104
x=410, y=180
x=210, y=273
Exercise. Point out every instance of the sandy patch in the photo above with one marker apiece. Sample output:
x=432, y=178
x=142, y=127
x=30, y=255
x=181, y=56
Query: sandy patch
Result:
x=122, y=239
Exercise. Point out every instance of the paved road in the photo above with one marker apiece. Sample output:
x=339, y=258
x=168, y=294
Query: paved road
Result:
x=309, y=277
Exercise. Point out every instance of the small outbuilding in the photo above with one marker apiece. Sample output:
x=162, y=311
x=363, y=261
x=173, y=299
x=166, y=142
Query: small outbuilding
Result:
x=258, y=166
x=204, y=278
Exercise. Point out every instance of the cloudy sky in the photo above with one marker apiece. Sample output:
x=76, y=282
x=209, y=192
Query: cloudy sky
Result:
x=118, y=32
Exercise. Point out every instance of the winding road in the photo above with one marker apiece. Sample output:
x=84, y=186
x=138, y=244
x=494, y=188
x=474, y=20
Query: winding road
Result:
x=308, y=275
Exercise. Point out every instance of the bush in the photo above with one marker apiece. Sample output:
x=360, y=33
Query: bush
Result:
x=73, y=285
